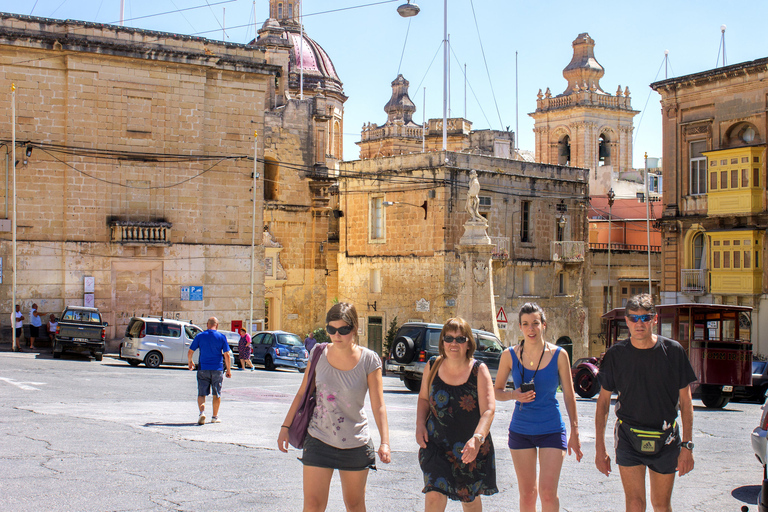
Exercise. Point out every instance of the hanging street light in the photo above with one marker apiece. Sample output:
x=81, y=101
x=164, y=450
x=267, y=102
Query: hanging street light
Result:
x=408, y=10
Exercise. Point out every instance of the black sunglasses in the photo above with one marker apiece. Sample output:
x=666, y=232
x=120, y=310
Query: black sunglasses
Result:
x=640, y=318
x=341, y=330
x=457, y=339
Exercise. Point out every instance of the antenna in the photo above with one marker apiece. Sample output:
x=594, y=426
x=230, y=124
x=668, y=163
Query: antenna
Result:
x=722, y=46
x=666, y=61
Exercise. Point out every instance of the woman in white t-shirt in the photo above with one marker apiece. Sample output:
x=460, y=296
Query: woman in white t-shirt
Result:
x=338, y=437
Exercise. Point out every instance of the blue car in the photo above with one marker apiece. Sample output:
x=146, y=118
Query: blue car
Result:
x=279, y=348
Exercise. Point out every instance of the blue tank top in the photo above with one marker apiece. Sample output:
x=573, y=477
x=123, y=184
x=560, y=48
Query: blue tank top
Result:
x=542, y=416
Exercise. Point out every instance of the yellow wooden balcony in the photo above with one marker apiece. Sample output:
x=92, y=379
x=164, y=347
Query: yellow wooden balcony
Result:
x=736, y=258
x=737, y=282
x=734, y=183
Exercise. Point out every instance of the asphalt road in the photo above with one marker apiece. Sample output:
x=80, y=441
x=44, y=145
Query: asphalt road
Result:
x=88, y=436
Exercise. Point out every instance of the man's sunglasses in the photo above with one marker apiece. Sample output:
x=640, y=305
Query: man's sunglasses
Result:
x=640, y=318
x=457, y=339
x=341, y=330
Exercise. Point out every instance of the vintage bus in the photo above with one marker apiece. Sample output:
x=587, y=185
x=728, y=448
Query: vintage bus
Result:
x=715, y=336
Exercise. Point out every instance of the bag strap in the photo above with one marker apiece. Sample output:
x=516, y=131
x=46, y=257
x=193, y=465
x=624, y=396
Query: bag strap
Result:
x=433, y=371
x=318, y=351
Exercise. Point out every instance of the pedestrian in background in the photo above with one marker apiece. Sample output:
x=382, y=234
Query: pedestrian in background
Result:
x=537, y=430
x=453, y=422
x=35, y=322
x=18, y=329
x=244, y=350
x=52, y=326
x=338, y=437
x=651, y=375
x=310, y=342
x=214, y=361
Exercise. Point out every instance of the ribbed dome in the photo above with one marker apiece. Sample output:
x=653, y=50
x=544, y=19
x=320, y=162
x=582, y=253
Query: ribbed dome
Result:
x=319, y=71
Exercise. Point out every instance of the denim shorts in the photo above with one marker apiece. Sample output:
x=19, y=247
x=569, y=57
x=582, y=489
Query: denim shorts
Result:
x=524, y=442
x=317, y=453
x=209, y=380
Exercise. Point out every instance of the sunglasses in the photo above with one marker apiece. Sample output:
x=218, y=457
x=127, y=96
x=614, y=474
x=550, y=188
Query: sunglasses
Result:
x=457, y=339
x=341, y=330
x=640, y=318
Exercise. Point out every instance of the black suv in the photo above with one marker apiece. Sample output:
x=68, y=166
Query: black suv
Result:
x=417, y=342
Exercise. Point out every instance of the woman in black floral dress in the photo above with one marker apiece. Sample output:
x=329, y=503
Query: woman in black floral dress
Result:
x=455, y=411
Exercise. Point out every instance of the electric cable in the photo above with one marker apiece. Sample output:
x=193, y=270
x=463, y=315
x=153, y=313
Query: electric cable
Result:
x=485, y=61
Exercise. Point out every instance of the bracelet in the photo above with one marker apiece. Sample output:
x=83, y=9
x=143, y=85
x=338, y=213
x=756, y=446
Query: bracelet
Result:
x=382, y=444
x=285, y=426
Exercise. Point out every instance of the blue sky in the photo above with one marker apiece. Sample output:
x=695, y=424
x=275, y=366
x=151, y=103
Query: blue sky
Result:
x=366, y=45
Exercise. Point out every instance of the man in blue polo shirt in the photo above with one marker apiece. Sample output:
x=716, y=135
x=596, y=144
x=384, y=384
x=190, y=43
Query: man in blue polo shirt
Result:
x=214, y=359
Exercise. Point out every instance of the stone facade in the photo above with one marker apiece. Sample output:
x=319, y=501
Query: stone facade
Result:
x=715, y=129
x=402, y=260
x=138, y=174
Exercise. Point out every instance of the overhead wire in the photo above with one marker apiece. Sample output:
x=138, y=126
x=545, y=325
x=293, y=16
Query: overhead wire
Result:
x=485, y=61
x=645, y=107
x=470, y=87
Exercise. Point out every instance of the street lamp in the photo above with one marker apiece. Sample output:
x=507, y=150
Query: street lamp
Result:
x=423, y=205
x=407, y=10
x=611, y=198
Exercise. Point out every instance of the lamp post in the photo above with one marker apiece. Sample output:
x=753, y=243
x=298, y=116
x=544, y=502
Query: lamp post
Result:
x=253, y=228
x=423, y=205
x=611, y=198
x=13, y=160
x=648, y=221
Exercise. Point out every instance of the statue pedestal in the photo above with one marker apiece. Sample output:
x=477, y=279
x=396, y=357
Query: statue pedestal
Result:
x=475, y=302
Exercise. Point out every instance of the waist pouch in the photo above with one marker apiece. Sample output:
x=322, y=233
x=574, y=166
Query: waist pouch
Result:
x=647, y=441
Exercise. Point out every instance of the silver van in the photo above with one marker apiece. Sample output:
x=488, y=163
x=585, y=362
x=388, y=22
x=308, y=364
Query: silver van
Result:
x=155, y=341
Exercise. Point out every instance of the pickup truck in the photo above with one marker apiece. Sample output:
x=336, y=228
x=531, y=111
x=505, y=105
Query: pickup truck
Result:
x=80, y=330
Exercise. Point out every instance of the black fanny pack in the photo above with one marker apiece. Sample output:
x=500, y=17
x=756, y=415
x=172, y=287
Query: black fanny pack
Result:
x=647, y=441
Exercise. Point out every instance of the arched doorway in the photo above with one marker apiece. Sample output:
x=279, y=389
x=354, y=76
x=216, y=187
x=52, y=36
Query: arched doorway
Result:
x=566, y=344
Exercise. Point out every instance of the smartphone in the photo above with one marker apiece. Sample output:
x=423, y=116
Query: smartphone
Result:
x=528, y=386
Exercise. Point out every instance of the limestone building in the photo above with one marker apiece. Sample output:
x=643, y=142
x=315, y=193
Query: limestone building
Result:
x=714, y=218
x=134, y=170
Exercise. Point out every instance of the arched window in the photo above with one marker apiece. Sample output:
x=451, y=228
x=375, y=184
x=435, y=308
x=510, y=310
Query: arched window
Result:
x=290, y=11
x=337, y=140
x=271, y=179
x=280, y=11
x=564, y=150
x=604, y=150
x=698, y=253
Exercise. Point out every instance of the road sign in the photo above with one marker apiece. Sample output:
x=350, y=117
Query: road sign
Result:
x=501, y=316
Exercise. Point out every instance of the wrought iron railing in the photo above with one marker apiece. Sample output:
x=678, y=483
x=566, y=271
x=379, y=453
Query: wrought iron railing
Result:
x=500, y=247
x=693, y=280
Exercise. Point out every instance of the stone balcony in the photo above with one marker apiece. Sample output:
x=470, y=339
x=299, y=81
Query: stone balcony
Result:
x=568, y=251
x=140, y=232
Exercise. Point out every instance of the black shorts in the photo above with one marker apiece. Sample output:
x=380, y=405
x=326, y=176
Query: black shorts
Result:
x=18, y=332
x=34, y=331
x=664, y=462
x=317, y=453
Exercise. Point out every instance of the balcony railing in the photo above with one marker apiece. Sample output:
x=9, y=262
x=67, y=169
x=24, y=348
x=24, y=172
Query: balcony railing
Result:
x=623, y=247
x=144, y=233
x=693, y=280
x=569, y=251
x=501, y=247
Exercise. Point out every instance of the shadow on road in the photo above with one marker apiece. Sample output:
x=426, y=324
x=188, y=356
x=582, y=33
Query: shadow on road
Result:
x=193, y=424
x=746, y=493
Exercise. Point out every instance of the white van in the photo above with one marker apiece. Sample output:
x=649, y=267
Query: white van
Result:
x=155, y=341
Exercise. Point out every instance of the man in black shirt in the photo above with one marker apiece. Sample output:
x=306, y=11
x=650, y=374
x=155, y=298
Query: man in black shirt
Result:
x=651, y=375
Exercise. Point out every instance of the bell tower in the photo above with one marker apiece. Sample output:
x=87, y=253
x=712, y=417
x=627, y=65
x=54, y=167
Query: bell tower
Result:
x=282, y=10
x=585, y=126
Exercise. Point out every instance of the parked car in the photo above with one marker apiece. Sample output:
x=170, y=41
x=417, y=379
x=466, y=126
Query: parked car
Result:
x=156, y=340
x=276, y=349
x=758, y=391
x=80, y=330
x=760, y=447
x=416, y=342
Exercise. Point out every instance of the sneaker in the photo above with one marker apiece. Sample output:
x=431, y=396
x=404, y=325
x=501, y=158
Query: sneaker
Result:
x=215, y=419
x=201, y=419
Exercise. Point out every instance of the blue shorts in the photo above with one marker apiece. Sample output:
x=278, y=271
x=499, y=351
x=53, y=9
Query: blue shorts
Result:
x=524, y=441
x=209, y=380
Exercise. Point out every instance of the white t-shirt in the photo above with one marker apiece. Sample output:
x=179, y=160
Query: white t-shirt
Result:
x=19, y=323
x=52, y=326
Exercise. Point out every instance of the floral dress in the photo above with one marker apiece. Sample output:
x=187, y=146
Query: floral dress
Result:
x=244, y=347
x=454, y=413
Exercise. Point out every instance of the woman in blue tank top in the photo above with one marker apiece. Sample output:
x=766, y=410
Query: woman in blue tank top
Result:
x=537, y=431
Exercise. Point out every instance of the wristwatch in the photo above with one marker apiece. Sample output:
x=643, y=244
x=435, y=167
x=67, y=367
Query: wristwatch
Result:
x=688, y=445
x=480, y=438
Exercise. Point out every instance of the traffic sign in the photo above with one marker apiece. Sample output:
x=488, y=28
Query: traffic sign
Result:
x=501, y=316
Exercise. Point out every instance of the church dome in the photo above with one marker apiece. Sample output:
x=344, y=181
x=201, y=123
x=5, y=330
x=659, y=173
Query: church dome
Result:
x=583, y=72
x=319, y=72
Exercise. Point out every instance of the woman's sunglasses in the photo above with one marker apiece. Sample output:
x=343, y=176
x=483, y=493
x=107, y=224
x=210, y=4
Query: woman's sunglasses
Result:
x=341, y=330
x=457, y=339
x=640, y=318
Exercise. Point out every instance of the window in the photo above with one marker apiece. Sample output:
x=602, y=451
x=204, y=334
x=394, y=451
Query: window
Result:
x=377, y=218
x=716, y=259
x=271, y=178
x=528, y=283
x=713, y=181
x=485, y=201
x=734, y=178
x=726, y=259
x=562, y=284
x=736, y=259
x=698, y=251
x=564, y=150
x=755, y=177
x=698, y=163
x=290, y=11
x=279, y=11
x=525, y=221
x=723, y=179
x=747, y=262
x=604, y=150
x=744, y=178
x=375, y=280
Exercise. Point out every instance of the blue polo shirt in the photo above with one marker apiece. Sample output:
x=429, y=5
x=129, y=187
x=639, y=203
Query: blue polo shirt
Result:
x=212, y=345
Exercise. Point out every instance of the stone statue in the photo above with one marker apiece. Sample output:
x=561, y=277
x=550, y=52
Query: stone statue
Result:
x=473, y=198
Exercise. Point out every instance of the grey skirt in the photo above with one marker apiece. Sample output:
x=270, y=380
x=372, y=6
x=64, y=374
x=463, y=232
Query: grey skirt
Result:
x=317, y=453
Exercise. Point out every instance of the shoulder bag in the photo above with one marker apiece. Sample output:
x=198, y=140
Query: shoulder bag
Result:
x=298, y=429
